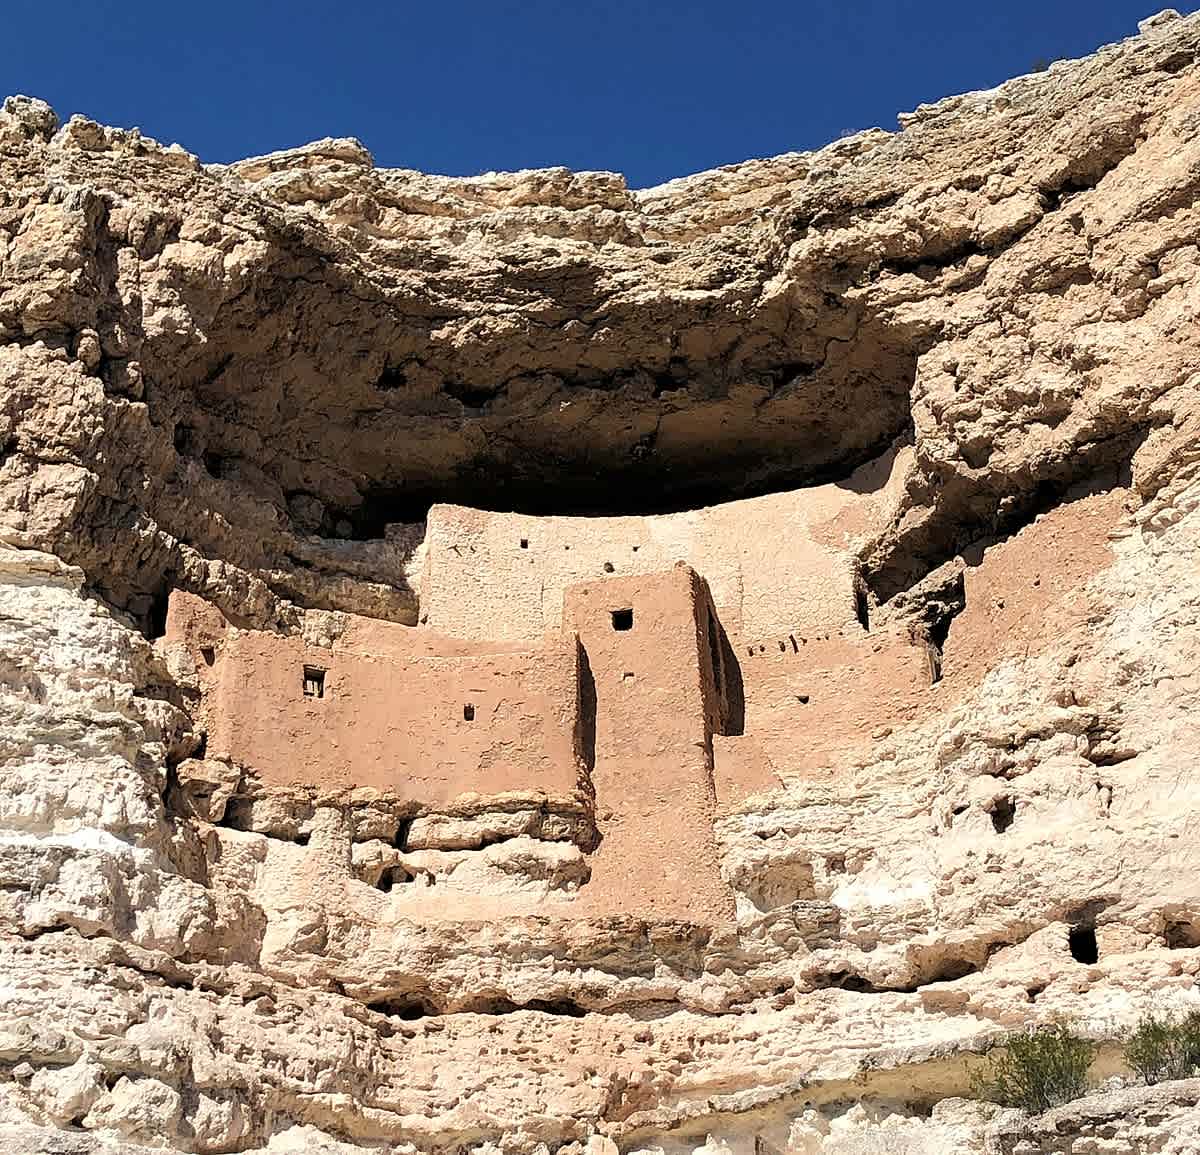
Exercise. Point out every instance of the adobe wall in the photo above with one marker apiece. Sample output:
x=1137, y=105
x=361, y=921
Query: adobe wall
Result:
x=684, y=707
x=656, y=705
x=817, y=705
x=778, y=563
x=391, y=715
x=624, y=707
x=813, y=704
x=1016, y=586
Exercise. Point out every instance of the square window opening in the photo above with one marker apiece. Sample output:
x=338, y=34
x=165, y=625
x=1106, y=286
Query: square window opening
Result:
x=314, y=682
x=524, y=543
x=622, y=619
x=468, y=712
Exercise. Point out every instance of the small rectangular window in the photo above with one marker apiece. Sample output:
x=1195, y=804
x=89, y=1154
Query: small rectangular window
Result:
x=468, y=712
x=314, y=682
x=524, y=543
x=622, y=619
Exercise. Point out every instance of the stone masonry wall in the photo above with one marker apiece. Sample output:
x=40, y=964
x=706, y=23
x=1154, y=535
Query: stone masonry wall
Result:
x=775, y=564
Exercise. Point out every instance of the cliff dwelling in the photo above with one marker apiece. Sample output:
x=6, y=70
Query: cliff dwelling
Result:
x=581, y=677
x=579, y=701
x=523, y=665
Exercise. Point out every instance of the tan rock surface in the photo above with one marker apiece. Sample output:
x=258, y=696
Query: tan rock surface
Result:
x=940, y=389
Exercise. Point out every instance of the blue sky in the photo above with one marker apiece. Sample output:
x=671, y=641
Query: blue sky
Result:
x=653, y=90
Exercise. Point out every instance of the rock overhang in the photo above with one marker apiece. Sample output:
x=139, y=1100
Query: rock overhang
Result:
x=918, y=868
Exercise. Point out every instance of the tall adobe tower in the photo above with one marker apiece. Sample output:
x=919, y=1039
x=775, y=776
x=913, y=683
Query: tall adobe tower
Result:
x=653, y=672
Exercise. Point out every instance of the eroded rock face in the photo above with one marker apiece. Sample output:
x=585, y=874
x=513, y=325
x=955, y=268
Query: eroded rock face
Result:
x=937, y=763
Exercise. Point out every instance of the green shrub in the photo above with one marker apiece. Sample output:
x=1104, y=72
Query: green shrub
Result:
x=1037, y=1070
x=1189, y=1032
x=1166, y=1048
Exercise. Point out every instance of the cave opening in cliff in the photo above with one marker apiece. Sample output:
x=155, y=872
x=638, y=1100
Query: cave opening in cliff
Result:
x=564, y=1008
x=407, y=1009
x=637, y=434
x=950, y=969
x=400, y=838
x=154, y=618
x=596, y=488
x=591, y=442
x=1003, y=812
x=1082, y=943
x=392, y=877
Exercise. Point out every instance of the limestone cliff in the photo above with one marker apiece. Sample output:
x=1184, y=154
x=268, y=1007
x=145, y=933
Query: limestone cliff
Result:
x=913, y=758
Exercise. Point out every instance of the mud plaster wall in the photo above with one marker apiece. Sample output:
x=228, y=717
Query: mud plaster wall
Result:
x=655, y=708
x=774, y=564
x=813, y=702
x=1021, y=592
x=423, y=727
x=625, y=690
x=817, y=705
